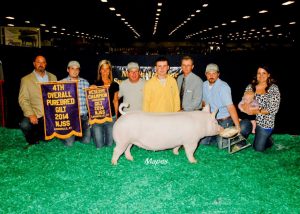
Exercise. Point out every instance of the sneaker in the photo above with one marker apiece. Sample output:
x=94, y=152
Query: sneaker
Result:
x=84, y=142
x=68, y=144
x=28, y=146
x=269, y=145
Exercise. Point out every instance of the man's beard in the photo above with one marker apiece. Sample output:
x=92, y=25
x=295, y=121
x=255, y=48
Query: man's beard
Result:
x=41, y=69
x=211, y=81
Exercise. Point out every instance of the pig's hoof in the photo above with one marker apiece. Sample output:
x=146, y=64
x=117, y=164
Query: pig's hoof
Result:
x=114, y=162
x=193, y=161
x=175, y=151
x=129, y=157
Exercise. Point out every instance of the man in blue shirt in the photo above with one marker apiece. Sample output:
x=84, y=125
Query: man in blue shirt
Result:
x=73, y=70
x=217, y=94
x=190, y=86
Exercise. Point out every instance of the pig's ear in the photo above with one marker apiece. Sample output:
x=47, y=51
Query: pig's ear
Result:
x=214, y=113
x=206, y=108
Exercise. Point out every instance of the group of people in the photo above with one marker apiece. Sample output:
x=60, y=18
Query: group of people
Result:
x=162, y=93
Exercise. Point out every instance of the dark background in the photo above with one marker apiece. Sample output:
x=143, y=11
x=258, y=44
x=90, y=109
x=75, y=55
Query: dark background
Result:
x=237, y=69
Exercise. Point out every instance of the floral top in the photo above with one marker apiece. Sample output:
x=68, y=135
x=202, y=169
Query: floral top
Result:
x=269, y=101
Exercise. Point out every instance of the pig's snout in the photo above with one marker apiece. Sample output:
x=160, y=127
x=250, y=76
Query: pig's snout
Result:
x=220, y=129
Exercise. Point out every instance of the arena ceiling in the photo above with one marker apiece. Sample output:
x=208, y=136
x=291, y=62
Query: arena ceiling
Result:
x=155, y=20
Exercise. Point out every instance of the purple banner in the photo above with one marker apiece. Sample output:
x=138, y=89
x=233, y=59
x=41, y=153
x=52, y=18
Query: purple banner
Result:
x=61, y=110
x=98, y=105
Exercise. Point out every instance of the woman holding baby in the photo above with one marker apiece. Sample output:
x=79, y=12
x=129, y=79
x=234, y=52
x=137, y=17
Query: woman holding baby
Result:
x=267, y=96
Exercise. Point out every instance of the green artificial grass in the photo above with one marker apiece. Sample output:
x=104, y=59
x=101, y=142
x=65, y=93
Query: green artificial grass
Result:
x=52, y=178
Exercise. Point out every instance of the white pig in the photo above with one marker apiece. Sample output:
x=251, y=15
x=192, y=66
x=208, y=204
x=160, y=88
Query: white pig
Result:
x=160, y=131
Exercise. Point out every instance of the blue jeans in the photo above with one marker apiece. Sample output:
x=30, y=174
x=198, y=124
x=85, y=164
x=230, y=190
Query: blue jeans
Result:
x=215, y=139
x=33, y=133
x=86, y=132
x=102, y=134
x=263, y=137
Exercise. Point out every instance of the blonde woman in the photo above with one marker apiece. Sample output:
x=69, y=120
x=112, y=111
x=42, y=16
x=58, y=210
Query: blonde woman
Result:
x=102, y=133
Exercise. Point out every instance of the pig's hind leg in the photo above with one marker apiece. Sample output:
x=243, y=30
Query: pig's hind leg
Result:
x=189, y=151
x=118, y=151
x=128, y=154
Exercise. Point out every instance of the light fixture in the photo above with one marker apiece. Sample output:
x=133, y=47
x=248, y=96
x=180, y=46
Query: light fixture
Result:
x=246, y=17
x=288, y=3
x=263, y=11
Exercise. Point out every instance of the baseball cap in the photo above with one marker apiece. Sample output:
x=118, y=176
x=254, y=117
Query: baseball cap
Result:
x=132, y=65
x=73, y=64
x=212, y=67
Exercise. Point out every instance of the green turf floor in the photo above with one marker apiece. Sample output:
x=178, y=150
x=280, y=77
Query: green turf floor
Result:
x=52, y=178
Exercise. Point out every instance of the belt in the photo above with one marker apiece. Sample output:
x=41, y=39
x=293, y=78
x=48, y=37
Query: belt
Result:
x=225, y=118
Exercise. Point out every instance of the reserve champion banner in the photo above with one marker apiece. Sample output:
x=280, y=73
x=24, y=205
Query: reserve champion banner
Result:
x=98, y=105
x=61, y=110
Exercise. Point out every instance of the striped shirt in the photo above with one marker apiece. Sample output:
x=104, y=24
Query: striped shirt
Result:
x=82, y=84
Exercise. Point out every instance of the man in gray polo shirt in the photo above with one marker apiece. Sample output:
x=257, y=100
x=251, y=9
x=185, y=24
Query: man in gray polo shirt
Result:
x=132, y=89
x=189, y=86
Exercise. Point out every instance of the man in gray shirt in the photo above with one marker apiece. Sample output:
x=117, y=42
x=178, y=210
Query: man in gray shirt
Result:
x=132, y=89
x=190, y=86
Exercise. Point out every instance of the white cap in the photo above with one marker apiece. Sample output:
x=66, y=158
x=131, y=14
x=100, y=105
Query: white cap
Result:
x=212, y=67
x=132, y=65
x=73, y=64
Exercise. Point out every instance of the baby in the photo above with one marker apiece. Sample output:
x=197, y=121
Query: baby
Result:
x=247, y=103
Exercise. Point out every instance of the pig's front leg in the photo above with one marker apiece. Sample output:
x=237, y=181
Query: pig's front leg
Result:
x=175, y=150
x=189, y=151
x=128, y=154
